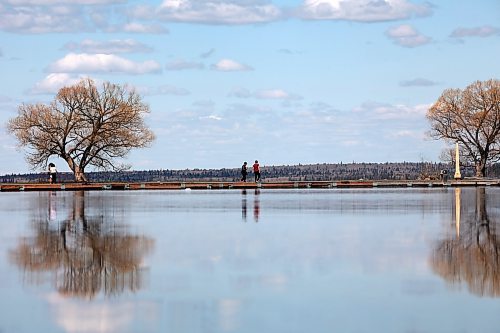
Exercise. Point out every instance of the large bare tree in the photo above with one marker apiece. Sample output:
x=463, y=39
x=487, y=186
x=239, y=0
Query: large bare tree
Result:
x=470, y=117
x=85, y=126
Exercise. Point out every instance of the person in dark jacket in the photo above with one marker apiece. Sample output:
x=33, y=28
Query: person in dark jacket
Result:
x=244, y=172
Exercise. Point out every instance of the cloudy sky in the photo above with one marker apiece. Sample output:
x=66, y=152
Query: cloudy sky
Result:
x=285, y=82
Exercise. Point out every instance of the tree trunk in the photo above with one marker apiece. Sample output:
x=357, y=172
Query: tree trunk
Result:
x=481, y=168
x=78, y=173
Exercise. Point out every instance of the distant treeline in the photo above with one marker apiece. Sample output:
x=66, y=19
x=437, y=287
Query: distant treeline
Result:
x=310, y=172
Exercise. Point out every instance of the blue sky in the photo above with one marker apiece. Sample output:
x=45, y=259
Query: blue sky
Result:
x=227, y=81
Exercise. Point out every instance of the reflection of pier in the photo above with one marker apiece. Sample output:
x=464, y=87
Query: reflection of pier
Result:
x=472, y=255
x=86, y=254
x=242, y=185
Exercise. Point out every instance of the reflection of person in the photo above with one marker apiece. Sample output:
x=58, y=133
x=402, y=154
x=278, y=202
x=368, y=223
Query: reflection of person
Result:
x=52, y=207
x=444, y=175
x=244, y=172
x=256, y=171
x=256, y=206
x=244, y=205
x=52, y=173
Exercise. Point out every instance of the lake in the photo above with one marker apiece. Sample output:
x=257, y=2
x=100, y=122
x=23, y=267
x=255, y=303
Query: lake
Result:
x=327, y=260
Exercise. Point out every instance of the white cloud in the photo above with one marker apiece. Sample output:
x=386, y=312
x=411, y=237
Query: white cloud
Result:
x=102, y=63
x=37, y=19
x=361, y=10
x=484, y=31
x=109, y=47
x=277, y=94
x=212, y=117
x=53, y=82
x=140, y=28
x=217, y=11
x=405, y=35
x=163, y=90
x=228, y=65
x=418, y=82
x=181, y=64
x=384, y=111
x=62, y=2
x=405, y=133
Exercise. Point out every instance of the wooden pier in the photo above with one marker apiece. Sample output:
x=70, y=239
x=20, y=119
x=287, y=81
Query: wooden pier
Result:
x=216, y=185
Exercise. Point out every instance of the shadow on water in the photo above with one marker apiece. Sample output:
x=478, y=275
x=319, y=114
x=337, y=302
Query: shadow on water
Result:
x=85, y=254
x=472, y=253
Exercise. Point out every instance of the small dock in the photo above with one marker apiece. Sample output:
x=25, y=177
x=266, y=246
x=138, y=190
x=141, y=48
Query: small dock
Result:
x=217, y=185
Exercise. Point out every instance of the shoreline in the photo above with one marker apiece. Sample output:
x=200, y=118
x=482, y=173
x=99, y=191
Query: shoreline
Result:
x=217, y=185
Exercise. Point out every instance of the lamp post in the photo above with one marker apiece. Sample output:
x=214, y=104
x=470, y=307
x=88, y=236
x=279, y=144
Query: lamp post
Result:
x=457, y=163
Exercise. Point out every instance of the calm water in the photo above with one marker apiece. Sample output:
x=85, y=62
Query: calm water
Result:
x=377, y=260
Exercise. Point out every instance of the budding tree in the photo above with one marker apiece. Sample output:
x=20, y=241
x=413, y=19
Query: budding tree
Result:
x=85, y=126
x=470, y=117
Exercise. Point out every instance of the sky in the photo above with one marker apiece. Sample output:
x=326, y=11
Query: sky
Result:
x=227, y=81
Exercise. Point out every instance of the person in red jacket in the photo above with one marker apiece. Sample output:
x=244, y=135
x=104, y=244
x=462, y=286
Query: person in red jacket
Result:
x=256, y=171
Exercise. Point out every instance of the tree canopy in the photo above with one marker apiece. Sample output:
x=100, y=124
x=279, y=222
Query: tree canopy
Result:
x=470, y=117
x=85, y=126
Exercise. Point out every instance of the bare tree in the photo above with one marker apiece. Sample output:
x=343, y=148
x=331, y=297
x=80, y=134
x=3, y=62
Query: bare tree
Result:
x=470, y=117
x=84, y=126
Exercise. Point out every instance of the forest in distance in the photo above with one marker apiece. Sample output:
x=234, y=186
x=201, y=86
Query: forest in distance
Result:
x=307, y=172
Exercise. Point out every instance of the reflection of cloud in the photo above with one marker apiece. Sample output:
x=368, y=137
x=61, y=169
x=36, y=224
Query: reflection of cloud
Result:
x=229, y=310
x=99, y=316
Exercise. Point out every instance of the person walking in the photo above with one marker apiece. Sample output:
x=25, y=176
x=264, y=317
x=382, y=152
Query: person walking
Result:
x=244, y=172
x=256, y=171
x=52, y=173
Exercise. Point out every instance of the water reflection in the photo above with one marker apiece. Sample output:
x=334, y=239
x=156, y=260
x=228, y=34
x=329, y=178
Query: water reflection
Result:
x=244, y=205
x=256, y=205
x=472, y=255
x=86, y=254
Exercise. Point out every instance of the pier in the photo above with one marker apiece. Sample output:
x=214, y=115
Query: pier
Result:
x=218, y=185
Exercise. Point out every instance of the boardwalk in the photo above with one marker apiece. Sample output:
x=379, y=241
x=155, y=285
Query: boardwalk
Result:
x=9, y=187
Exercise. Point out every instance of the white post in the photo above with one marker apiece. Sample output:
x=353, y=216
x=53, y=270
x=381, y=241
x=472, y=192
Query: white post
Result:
x=457, y=163
x=457, y=210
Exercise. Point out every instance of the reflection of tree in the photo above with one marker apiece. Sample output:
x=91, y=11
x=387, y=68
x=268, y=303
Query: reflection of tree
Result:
x=473, y=256
x=87, y=254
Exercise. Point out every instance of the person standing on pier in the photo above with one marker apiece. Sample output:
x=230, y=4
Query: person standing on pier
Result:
x=244, y=172
x=256, y=171
x=52, y=173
